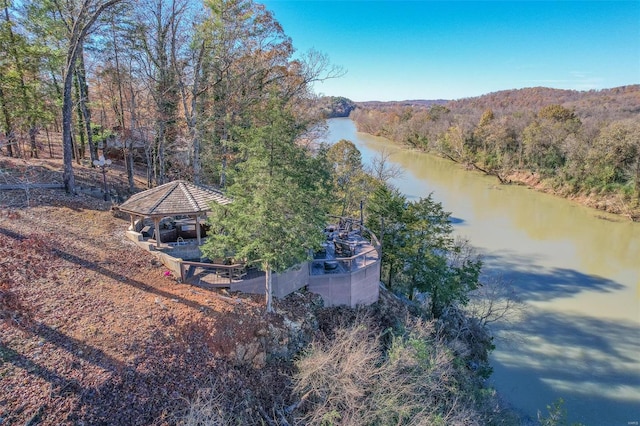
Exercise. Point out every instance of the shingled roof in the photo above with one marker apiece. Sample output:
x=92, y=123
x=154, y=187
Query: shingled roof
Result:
x=174, y=198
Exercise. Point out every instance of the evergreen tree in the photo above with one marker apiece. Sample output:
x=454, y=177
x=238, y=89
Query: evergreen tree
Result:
x=419, y=252
x=279, y=198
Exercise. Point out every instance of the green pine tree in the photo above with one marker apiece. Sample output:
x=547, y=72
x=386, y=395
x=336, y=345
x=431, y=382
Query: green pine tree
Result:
x=279, y=198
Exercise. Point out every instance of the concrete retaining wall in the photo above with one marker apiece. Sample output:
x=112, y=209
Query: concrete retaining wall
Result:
x=189, y=251
x=290, y=281
x=171, y=263
x=352, y=289
x=283, y=284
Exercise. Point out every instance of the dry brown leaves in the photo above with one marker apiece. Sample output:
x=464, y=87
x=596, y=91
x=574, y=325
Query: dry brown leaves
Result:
x=92, y=332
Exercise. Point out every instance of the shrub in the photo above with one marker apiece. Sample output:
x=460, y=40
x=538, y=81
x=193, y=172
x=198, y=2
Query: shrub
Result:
x=418, y=379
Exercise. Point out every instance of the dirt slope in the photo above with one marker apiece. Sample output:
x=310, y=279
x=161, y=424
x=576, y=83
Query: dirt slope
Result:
x=93, y=332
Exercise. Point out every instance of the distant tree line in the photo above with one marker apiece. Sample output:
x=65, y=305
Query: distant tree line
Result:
x=578, y=142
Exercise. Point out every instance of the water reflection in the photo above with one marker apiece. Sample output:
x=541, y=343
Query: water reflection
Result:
x=578, y=274
x=545, y=284
x=592, y=363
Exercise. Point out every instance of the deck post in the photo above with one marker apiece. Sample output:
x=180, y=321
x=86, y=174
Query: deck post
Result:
x=198, y=229
x=156, y=223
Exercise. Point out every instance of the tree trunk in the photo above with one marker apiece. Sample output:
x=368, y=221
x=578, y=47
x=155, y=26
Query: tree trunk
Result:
x=130, y=171
x=8, y=125
x=80, y=147
x=46, y=129
x=78, y=27
x=149, y=154
x=33, y=131
x=191, y=114
x=23, y=87
x=195, y=139
x=161, y=142
x=132, y=126
x=268, y=287
x=67, y=110
x=84, y=106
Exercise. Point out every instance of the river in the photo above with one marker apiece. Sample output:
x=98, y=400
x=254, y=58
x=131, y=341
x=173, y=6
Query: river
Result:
x=576, y=269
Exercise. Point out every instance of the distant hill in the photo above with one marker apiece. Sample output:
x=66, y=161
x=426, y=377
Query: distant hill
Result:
x=336, y=106
x=406, y=103
x=618, y=101
x=623, y=101
x=580, y=143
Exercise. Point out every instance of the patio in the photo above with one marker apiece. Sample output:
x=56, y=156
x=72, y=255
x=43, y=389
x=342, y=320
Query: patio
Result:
x=345, y=250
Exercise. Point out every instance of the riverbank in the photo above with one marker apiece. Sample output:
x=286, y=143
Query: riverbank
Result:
x=607, y=202
x=613, y=203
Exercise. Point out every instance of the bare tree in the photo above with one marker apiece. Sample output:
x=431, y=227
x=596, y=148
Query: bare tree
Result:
x=382, y=169
x=496, y=301
x=79, y=17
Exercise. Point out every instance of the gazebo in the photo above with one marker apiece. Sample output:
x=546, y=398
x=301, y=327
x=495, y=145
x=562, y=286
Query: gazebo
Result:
x=177, y=198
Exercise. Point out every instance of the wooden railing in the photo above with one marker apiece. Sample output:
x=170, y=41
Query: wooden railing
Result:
x=231, y=272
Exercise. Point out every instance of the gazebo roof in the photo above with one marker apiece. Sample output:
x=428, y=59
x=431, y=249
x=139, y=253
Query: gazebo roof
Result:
x=174, y=198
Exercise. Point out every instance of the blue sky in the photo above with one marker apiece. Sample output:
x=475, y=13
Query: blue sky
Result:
x=397, y=50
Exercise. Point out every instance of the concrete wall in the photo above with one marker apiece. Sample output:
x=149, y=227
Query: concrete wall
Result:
x=351, y=289
x=290, y=281
x=189, y=251
x=250, y=286
x=171, y=263
x=357, y=288
x=365, y=285
x=283, y=284
x=134, y=236
x=334, y=288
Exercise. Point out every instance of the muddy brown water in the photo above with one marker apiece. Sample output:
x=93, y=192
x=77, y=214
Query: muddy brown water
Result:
x=576, y=269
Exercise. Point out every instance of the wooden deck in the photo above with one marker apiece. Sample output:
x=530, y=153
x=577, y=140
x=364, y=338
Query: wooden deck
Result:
x=346, y=271
x=344, y=252
x=216, y=274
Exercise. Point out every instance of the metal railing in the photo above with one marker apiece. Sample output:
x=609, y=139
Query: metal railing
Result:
x=344, y=265
x=347, y=235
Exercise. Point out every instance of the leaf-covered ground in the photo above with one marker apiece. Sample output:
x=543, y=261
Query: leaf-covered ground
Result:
x=91, y=329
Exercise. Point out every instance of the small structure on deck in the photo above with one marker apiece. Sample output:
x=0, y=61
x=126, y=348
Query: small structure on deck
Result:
x=174, y=199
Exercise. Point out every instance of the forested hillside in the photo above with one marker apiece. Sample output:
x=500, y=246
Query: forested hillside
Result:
x=166, y=83
x=94, y=330
x=579, y=144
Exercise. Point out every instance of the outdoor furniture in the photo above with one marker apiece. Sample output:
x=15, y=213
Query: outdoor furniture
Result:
x=235, y=271
x=238, y=271
x=330, y=265
x=167, y=235
x=321, y=253
x=147, y=231
x=344, y=248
